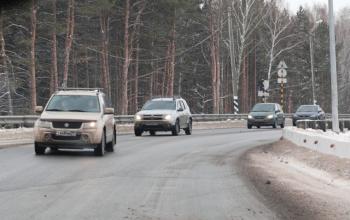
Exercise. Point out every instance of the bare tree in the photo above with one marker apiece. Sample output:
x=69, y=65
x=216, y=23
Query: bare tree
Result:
x=277, y=23
x=5, y=87
x=214, y=27
x=69, y=40
x=246, y=17
x=32, y=56
x=54, y=72
x=124, y=83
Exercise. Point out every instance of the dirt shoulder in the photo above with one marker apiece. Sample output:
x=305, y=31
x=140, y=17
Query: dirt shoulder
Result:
x=298, y=183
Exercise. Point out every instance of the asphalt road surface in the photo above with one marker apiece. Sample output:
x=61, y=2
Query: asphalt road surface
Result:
x=161, y=177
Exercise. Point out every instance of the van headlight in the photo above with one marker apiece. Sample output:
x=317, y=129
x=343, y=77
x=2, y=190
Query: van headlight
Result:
x=138, y=117
x=91, y=124
x=44, y=124
x=167, y=117
x=269, y=117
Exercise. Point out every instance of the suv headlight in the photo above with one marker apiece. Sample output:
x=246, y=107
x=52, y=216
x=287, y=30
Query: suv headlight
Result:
x=138, y=117
x=269, y=117
x=44, y=124
x=250, y=117
x=91, y=124
x=167, y=117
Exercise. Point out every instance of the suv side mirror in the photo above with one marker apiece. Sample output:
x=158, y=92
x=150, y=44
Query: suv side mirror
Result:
x=109, y=111
x=39, y=109
x=180, y=110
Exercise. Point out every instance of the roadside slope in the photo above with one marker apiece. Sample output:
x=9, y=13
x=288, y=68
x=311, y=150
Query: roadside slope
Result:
x=299, y=183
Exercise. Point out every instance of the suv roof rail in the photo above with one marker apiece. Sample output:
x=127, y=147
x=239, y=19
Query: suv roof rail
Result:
x=80, y=89
x=173, y=97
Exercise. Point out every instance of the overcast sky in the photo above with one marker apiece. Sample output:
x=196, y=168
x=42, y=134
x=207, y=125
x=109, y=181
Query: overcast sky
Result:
x=293, y=5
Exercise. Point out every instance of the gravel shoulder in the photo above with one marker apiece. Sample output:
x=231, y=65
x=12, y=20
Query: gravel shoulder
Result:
x=299, y=183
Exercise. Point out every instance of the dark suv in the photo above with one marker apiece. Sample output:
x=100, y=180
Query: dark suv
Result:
x=164, y=114
x=310, y=112
x=266, y=114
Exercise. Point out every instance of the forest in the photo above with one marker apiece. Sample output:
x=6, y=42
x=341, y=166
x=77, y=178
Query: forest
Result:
x=207, y=51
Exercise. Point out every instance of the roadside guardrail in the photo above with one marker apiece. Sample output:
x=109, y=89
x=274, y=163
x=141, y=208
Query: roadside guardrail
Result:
x=29, y=120
x=344, y=124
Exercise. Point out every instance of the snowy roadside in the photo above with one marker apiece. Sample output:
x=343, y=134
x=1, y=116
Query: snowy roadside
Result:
x=299, y=183
x=10, y=137
x=325, y=142
x=129, y=128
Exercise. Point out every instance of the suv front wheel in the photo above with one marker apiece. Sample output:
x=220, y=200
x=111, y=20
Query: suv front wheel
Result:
x=100, y=149
x=176, y=129
x=110, y=145
x=39, y=150
x=188, y=130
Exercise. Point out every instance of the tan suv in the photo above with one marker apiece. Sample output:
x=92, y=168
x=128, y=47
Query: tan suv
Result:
x=75, y=119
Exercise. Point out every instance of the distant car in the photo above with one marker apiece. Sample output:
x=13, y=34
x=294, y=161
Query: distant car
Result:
x=311, y=112
x=266, y=114
x=75, y=119
x=163, y=114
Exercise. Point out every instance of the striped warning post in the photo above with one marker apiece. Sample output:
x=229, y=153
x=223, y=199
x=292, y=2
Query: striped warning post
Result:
x=235, y=105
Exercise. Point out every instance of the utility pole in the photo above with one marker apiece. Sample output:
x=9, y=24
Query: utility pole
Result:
x=335, y=121
x=312, y=69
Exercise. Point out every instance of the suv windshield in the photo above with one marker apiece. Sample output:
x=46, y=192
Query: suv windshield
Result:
x=307, y=108
x=263, y=108
x=163, y=105
x=74, y=103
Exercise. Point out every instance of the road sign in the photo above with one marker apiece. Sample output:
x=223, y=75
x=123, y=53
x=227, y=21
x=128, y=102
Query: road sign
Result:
x=262, y=93
x=282, y=73
x=266, y=84
x=282, y=65
x=281, y=80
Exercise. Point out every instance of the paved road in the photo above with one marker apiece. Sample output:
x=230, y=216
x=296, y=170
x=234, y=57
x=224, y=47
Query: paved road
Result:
x=162, y=177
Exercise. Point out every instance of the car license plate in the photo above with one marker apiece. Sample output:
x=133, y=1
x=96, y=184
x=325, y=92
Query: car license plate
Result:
x=66, y=133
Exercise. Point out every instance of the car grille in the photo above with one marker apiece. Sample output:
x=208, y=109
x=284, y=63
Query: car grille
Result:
x=259, y=117
x=153, y=117
x=66, y=138
x=60, y=124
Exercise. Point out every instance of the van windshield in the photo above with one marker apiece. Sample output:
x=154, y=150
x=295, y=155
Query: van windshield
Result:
x=74, y=103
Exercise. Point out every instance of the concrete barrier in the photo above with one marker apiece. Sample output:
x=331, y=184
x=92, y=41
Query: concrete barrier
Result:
x=324, y=142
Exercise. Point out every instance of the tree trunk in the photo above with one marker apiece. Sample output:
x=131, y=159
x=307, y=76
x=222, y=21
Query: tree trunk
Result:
x=213, y=58
x=172, y=58
x=136, y=91
x=32, y=57
x=124, y=83
x=54, y=72
x=105, y=64
x=3, y=67
x=69, y=40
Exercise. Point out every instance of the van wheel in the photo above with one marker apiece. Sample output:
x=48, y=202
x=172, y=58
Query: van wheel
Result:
x=152, y=133
x=100, y=149
x=176, y=129
x=39, y=150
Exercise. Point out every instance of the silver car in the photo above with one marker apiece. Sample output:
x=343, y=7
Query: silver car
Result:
x=163, y=114
x=75, y=119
